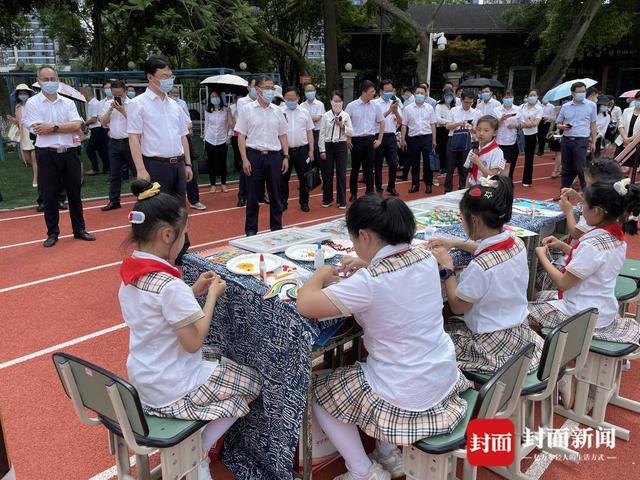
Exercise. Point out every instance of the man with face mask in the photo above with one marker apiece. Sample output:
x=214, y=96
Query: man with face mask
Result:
x=55, y=121
x=265, y=153
x=316, y=109
x=390, y=107
x=98, y=140
x=487, y=104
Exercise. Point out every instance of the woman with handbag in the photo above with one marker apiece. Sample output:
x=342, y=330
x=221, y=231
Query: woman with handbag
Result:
x=461, y=125
x=217, y=125
x=23, y=93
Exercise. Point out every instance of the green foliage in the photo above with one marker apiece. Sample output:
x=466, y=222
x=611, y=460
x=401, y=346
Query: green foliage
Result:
x=13, y=21
x=466, y=53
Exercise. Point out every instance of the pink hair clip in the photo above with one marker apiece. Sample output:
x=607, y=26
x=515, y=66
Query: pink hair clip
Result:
x=136, y=217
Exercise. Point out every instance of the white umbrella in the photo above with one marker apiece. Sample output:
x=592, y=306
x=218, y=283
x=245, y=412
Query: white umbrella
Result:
x=564, y=89
x=227, y=83
x=66, y=91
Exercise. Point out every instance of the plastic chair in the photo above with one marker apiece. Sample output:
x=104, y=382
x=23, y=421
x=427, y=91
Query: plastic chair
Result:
x=564, y=344
x=118, y=408
x=631, y=269
x=435, y=457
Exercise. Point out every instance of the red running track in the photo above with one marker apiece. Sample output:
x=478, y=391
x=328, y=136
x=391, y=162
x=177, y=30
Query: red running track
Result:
x=68, y=295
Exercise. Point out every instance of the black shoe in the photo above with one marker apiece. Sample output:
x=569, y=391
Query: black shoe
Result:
x=429, y=189
x=62, y=206
x=540, y=154
x=393, y=192
x=251, y=233
x=264, y=200
x=304, y=207
x=413, y=189
x=84, y=235
x=111, y=206
x=50, y=241
x=40, y=208
x=241, y=203
x=352, y=198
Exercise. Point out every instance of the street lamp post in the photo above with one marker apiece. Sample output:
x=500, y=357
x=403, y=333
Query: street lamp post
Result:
x=442, y=43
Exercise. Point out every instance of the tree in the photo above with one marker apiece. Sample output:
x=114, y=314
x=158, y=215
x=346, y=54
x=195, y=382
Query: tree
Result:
x=565, y=30
x=14, y=22
x=330, y=46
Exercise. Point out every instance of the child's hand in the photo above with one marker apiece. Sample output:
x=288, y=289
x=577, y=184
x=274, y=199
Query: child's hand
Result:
x=571, y=195
x=443, y=257
x=551, y=242
x=202, y=284
x=565, y=205
x=440, y=242
x=328, y=274
x=542, y=251
x=217, y=286
x=474, y=158
x=350, y=265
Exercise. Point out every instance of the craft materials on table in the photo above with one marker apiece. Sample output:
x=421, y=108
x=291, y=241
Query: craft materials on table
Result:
x=334, y=229
x=438, y=217
x=279, y=240
x=250, y=263
x=518, y=231
x=340, y=245
x=535, y=207
x=307, y=252
x=221, y=255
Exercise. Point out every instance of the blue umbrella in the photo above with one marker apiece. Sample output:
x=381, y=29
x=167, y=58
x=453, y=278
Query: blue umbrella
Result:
x=564, y=89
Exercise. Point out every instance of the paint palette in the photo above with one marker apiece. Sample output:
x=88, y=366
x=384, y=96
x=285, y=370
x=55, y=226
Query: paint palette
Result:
x=249, y=264
x=307, y=252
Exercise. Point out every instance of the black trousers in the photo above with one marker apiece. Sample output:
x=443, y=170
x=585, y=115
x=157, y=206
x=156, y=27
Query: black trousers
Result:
x=336, y=161
x=170, y=176
x=298, y=159
x=242, y=181
x=264, y=168
x=455, y=160
x=420, y=145
x=193, y=193
x=54, y=168
x=388, y=151
x=510, y=153
x=529, y=152
x=217, y=162
x=362, y=155
x=543, y=130
x=442, y=138
x=120, y=160
x=574, y=158
x=98, y=144
x=316, y=146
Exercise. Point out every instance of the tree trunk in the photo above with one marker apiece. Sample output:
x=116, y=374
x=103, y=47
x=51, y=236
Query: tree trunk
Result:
x=299, y=62
x=556, y=72
x=330, y=47
x=98, y=60
x=423, y=57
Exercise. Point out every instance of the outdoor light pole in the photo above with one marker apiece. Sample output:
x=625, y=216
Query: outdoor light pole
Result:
x=442, y=43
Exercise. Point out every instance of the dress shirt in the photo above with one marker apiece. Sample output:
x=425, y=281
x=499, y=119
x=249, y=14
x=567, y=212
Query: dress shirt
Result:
x=216, y=126
x=616, y=115
x=93, y=110
x=527, y=114
x=443, y=114
x=262, y=126
x=431, y=101
x=488, y=107
x=547, y=112
x=314, y=108
x=459, y=114
x=418, y=119
x=161, y=123
x=329, y=131
x=506, y=135
x=390, y=122
x=39, y=109
x=580, y=115
x=602, y=123
x=183, y=105
x=117, y=121
x=365, y=117
x=298, y=123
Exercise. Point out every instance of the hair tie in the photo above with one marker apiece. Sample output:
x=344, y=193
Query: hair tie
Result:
x=150, y=192
x=475, y=192
x=622, y=186
x=488, y=182
x=634, y=218
x=136, y=217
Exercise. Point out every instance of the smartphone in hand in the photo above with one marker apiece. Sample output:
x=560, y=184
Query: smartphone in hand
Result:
x=118, y=100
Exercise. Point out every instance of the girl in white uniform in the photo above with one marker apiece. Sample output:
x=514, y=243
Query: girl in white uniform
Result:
x=489, y=159
x=174, y=374
x=494, y=324
x=409, y=386
x=593, y=264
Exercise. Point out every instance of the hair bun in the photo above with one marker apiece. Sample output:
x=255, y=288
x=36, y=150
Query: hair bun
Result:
x=139, y=185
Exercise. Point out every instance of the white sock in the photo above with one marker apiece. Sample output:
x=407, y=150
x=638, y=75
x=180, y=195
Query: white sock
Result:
x=385, y=449
x=214, y=430
x=346, y=439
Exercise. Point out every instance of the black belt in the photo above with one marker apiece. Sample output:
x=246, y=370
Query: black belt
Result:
x=390, y=134
x=363, y=138
x=120, y=139
x=57, y=149
x=573, y=139
x=263, y=152
x=295, y=149
x=171, y=160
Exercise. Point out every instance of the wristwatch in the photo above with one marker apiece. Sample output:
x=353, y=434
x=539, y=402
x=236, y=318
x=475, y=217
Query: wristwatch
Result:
x=285, y=156
x=445, y=273
x=56, y=128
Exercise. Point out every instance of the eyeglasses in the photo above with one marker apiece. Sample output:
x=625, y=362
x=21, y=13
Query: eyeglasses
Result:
x=166, y=76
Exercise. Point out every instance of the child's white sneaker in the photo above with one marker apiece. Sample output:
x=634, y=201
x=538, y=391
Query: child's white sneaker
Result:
x=204, y=473
x=376, y=472
x=392, y=463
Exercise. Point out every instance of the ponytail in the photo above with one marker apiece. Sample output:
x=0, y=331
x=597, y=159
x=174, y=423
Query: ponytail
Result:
x=620, y=202
x=491, y=200
x=389, y=218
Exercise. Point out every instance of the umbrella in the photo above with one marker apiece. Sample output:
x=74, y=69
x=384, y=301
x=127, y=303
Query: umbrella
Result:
x=481, y=82
x=564, y=89
x=227, y=83
x=66, y=91
x=629, y=94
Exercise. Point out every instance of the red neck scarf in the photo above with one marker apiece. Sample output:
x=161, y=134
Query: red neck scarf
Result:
x=492, y=145
x=613, y=228
x=134, y=268
x=506, y=244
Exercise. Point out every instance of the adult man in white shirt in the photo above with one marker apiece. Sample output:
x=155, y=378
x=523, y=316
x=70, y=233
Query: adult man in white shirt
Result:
x=428, y=100
x=98, y=143
x=487, y=104
x=301, y=146
x=316, y=109
x=368, y=122
x=463, y=120
x=56, y=122
x=265, y=153
x=390, y=107
x=114, y=116
x=545, y=124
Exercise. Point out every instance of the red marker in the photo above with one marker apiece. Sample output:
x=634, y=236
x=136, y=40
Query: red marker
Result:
x=263, y=269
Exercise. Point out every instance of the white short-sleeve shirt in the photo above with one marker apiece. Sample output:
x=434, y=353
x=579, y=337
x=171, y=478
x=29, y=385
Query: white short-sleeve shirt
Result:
x=527, y=114
x=418, y=119
x=93, y=110
x=262, y=126
x=216, y=126
x=411, y=361
x=443, y=114
x=154, y=307
x=39, y=109
x=316, y=108
x=298, y=123
x=506, y=135
x=495, y=283
x=365, y=117
x=488, y=108
x=459, y=114
x=117, y=121
x=490, y=160
x=390, y=121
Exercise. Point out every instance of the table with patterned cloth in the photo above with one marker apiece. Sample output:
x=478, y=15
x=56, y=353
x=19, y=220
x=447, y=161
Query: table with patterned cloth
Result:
x=270, y=336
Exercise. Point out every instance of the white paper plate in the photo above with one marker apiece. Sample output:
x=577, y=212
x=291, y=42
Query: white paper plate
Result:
x=306, y=252
x=249, y=264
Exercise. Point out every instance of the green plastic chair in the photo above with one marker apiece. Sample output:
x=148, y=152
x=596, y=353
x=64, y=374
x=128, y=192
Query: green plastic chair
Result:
x=566, y=343
x=435, y=457
x=631, y=269
x=626, y=288
x=117, y=406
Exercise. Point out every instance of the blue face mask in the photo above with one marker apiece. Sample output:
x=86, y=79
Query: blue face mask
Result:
x=131, y=94
x=23, y=98
x=419, y=97
x=292, y=105
x=532, y=100
x=485, y=95
x=310, y=95
x=636, y=103
x=107, y=92
x=448, y=98
x=253, y=93
x=507, y=102
x=50, y=87
x=166, y=85
x=267, y=95
x=215, y=101
x=580, y=96
x=387, y=96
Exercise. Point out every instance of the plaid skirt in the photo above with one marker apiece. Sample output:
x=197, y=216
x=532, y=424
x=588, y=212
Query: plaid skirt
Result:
x=346, y=396
x=487, y=352
x=543, y=314
x=227, y=393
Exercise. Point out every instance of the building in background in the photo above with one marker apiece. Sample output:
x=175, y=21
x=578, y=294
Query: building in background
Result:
x=315, y=50
x=37, y=49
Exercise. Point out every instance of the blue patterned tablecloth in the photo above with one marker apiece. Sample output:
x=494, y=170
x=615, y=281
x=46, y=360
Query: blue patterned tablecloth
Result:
x=270, y=336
